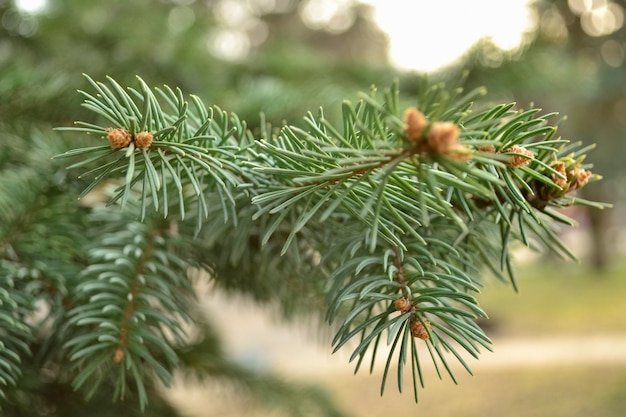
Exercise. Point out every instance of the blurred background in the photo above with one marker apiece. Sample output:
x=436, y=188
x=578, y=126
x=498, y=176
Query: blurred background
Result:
x=560, y=345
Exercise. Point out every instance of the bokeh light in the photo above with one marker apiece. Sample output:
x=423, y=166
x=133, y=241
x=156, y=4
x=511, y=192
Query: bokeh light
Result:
x=426, y=36
x=31, y=6
x=332, y=15
x=598, y=17
x=180, y=18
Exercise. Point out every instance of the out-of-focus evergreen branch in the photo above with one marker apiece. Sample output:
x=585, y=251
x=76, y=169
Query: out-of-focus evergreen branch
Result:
x=16, y=303
x=40, y=245
x=130, y=306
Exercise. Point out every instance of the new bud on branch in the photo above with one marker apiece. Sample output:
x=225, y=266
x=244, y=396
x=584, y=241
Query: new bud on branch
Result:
x=143, y=139
x=418, y=329
x=521, y=156
x=121, y=138
x=438, y=138
x=414, y=124
x=118, y=138
x=403, y=305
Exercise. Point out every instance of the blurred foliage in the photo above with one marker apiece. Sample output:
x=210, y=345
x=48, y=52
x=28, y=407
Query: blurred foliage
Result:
x=277, y=65
x=573, y=62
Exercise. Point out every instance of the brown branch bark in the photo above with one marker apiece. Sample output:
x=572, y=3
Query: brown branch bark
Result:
x=130, y=308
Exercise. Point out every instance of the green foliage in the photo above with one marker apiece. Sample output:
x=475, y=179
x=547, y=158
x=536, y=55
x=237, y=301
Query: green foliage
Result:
x=39, y=234
x=197, y=147
x=341, y=213
x=134, y=280
x=67, y=271
x=396, y=229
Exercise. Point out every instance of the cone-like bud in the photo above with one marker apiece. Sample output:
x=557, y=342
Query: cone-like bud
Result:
x=414, y=124
x=442, y=137
x=418, y=330
x=403, y=304
x=522, y=159
x=559, y=166
x=118, y=138
x=143, y=139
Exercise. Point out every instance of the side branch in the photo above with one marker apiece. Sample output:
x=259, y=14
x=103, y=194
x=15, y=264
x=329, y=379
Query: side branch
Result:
x=406, y=304
x=399, y=275
x=130, y=308
x=357, y=170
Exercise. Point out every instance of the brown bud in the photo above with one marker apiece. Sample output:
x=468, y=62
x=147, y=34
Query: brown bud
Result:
x=414, y=124
x=579, y=176
x=418, y=330
x=143, y=139
x=118, y=138
x=489, y=148
x=559, y=166
x=443, y=137
x=521, y=160
x=403, y=305
x=119, y=355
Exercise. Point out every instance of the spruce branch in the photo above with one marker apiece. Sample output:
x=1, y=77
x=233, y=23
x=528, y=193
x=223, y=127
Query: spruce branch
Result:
x=395, y=215
x=162, y=153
